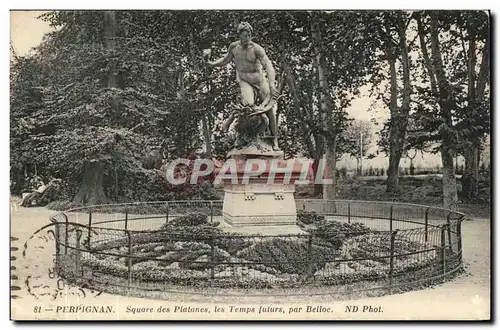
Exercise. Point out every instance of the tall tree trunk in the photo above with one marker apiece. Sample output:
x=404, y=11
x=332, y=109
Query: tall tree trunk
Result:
x=307, y=134
x=484, y=71
x=326, y=111
x=331, y=165
x=395, y=141
x=399, y=116
x=470, y=177
x=309, y=137
x=305, y=129
x=440, y=90
x=207, y=133
x=318, y=156
x=449, y=180
x=110, y=43
x=475, y=97
x=207, y=136
x=425, y=55
x=91, y=189
x=450, y=198
x=412, y=168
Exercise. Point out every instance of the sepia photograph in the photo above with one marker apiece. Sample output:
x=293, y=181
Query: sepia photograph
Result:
x=320, y=165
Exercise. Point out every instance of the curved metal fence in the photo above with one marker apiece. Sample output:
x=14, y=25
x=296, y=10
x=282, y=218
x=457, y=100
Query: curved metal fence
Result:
x=353, y=245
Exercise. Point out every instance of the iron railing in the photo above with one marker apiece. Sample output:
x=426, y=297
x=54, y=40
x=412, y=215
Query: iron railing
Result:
x=130, y=249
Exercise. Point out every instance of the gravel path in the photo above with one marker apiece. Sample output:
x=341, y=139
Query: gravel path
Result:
x=466, y=297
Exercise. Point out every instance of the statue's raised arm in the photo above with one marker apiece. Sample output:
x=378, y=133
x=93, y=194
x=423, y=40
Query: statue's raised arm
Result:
x=223, y=60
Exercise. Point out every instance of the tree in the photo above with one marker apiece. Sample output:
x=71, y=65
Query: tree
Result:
x=444, y=111
x=391, y=36
x=334, y=50
x=91, y=189
x=446, y=103
x=416, y=140
x=144, y=93
x=326, y=110
x=104, y=107
x=357, y=141
x=411, y=158
x=474, y=33
x=25, y=99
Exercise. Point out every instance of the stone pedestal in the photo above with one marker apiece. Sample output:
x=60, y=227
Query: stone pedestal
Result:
x=261, y=205
x=258, y=203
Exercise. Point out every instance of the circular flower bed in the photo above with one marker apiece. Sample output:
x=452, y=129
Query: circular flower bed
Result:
x=191, y=251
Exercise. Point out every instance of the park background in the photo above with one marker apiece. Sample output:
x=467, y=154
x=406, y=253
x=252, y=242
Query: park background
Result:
x=360, y=97
x=474, y=287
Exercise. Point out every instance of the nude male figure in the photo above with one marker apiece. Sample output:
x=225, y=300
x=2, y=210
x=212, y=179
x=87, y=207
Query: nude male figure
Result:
x=249, y=59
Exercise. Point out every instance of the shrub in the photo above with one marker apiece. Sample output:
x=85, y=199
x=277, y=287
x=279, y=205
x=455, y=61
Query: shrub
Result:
x=191, y=219
x=206, y=191
x=61, y=205
x=309, y=217
x=372, y=251
x=136, y=239
x=152, y=185
x=335, y=232
x=375, y=249
x=201, y=260
x=372, y=246
x=288, y=255
x=233, y=244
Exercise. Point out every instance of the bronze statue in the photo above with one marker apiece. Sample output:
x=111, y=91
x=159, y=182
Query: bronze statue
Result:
x=249, y=59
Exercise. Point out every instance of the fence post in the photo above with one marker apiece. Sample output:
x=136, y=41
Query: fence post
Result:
x=66, y=236
x=449, y=230
x=57, y=233
x=212, y=252
x=126, y=218
x=129, y=261
x=168, y=210
x=349, y=212
x=426, y=225
x=90, y=225
x=390, y=217
x=211, y=211
x=309, y=256
x=391, y=260
x=443, y=249
x=459, y=239
x=77, y=250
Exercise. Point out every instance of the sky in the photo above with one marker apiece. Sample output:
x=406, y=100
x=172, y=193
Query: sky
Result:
x=27, y=31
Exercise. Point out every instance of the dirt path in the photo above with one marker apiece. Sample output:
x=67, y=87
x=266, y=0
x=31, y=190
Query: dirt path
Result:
x=466, y=297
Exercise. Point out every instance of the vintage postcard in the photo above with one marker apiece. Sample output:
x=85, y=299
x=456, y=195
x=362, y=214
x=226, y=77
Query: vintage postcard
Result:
x=250, y=165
